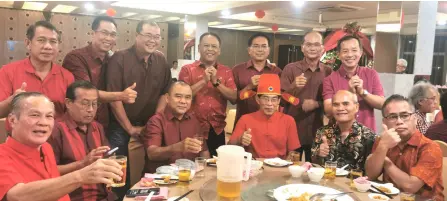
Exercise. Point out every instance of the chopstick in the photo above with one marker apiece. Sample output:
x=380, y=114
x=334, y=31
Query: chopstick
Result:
x=381, y=192
x=184, y=195
x=163, y=179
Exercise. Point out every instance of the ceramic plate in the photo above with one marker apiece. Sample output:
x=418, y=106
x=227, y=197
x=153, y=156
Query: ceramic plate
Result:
x=285, y=192
x=389, y=186
x=341, y=172
x=277, y=162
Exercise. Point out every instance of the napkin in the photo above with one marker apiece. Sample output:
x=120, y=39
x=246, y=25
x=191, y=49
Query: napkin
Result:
x=163, y=195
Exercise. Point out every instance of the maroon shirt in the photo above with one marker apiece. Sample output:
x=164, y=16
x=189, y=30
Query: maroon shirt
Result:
x=163, y=129
x=242, y=77
x=87, y=65
x=71, y=144
x=308, y=122
x=339, y=80
x=153, y=78
x=437, y=131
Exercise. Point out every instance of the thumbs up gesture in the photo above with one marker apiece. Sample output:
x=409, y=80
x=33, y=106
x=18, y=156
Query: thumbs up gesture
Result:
x=129, y=94
x=246, y=137
x=21, y=90
x=324, y=147
x=389, y=137
x=300, y=81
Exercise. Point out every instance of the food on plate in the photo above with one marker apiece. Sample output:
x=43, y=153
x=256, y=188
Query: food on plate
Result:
x=384, y=189
x=307, y=165
x=166, y=178
x=379, y=197
x=147, y=182
x=212, y=160
x=362, y=180
x=303, y=197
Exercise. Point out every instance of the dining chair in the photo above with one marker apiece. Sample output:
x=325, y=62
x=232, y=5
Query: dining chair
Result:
x=3, y=134
x=444, y=174
x=443, y=146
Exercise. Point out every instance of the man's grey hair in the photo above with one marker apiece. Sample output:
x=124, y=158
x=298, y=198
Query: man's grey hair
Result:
x=17, y=101
x=403, y=62
x=419, y=92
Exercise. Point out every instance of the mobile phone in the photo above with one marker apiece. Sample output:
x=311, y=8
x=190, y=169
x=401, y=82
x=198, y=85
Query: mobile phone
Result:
x=142, y=192
x=110, y=152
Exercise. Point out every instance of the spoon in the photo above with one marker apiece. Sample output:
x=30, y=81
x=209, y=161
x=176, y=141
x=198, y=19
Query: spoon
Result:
x=344, y=167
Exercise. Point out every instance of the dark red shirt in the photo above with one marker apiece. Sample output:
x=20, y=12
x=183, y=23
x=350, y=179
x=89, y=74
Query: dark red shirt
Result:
x=339, y=80
x=153, y=78
x=163, y=129
x=242, y=77
x=437, y=131
x=20, y=163
x=308, y=122
x=209, y=105
x=71, y=144
x=87, y=65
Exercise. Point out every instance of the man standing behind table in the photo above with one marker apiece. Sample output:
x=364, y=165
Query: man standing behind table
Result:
x=362, y=81
x=28, y=169
x=169, y=134
x=90, y=63
x=401, y=66
x=267, y=133
x=246, y=75
x=78, y=140
x=304, y=79
x=405, y=157
x=212, y=86
x=144, y=65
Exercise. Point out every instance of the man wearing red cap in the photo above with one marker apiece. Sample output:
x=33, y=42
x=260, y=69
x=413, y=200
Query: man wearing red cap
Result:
x=267, y=133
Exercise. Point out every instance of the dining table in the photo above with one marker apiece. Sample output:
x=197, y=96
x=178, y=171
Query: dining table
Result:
x=257, y=187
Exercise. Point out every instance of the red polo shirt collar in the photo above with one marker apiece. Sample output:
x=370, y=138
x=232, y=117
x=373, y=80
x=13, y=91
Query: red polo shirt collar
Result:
x=72, y=125
x=24, y=150
x=170, y=115
x=260, y=114
x=344, y=74
x=29, y=68
x=250, y=64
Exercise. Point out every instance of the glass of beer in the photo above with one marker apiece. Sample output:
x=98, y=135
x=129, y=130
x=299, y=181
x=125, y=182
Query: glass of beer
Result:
x=330, y=169
x=122, y=160
x=294, y=157
x=354, y=174
x=184, y=172
x=404, y=196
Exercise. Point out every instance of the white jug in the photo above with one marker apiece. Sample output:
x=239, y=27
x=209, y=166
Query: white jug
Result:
x=233, y=166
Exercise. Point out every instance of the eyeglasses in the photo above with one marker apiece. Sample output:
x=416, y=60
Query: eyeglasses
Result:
x=211, y=47
x=87, y=104
x=309, y=45
x=44, y=41
x=259, y=47
x=150, y=36
x=106, y=33
x=266, y=99
x=403, y=116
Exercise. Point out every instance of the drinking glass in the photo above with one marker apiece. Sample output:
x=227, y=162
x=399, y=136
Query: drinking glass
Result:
x=330, y=169
x=200, y=166
x=404, y=196
x=354, y=174
x=184, y=172
x=294, y=157
x=122, y=160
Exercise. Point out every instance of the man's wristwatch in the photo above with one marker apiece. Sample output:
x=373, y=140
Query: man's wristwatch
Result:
x=217, y=83
x=365, y=93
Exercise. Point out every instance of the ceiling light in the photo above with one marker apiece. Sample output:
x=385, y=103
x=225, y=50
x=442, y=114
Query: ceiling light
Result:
x=251, y=28
x=298, y=3
x=171, y=19
x=442, y=22
x=63, y=9
x=34, y=6
x=225, y=13
x=226, y=26
x=214, y=23
x=89, y=7
x=128, y=14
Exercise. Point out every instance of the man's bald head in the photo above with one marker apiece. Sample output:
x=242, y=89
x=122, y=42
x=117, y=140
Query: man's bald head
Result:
x=345, y=93
x=313, y=34
x=344, y=106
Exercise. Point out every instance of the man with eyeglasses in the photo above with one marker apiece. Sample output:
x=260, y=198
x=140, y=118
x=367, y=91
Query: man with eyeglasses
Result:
x=424, y=97
x=267, y=133
x=212, y=87
x=78, y=140
x=304, y=79
x=347, y=142
x=405, y=157
x=437, y=131
x=36, y=73
x=90, y=63
x=144, y=65
x=246, y=75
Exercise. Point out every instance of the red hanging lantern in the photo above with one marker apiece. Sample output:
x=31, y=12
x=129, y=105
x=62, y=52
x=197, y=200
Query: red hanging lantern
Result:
x=111, y=12
x=260, y=14
x=275, y=28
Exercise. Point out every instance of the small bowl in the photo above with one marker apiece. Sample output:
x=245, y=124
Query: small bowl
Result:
x=296, y=170
x=362, y=187
x=315, y=174
x=256, y=165
x=383, y=198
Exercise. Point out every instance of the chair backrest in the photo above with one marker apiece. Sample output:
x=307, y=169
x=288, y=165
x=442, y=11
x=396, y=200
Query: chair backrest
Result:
x=444, y=175
x=443, y=146
x=3, y=135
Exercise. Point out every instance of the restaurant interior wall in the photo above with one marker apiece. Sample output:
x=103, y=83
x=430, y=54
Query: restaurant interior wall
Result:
x=386, y=52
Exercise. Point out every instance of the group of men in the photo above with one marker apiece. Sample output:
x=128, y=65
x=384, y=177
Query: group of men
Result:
x=52, y=117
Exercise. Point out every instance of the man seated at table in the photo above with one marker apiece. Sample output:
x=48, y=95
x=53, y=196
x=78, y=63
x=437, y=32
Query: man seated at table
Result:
x=267, y=133
x=405, y=157
x=347, y=141
x=78, y=140
x=169, y=135
x=438, y=130
x=28, y=169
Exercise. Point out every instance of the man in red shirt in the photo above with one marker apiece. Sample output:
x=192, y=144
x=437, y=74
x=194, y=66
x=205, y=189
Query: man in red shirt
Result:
x=267, y=133
x=169, y=134
x=36, y=73
x=212, y=86
x=405, y=157
x=78, y=140
x=90, y=63
x=28, y=169
x=246, y=75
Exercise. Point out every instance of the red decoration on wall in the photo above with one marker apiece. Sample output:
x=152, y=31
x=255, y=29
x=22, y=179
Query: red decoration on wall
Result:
x=111, y=12
x=260, y=14
x=275, y=27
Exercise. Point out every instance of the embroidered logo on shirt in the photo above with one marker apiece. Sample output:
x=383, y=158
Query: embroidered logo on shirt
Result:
x=270, y=88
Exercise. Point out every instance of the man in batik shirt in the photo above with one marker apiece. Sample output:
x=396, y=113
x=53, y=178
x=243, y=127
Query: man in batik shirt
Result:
x=347, y=141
